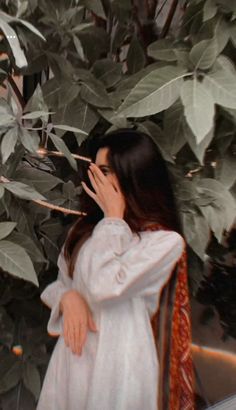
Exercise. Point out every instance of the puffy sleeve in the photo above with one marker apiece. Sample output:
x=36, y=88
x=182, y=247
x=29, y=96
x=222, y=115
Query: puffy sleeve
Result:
x=52, y=294
x=120, y=267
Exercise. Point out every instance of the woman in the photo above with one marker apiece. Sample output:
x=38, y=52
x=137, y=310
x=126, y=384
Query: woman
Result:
x=112, y=269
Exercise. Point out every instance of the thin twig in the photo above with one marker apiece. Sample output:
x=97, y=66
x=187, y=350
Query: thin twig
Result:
x=169, y=19
x=49, y=205
x=44, y=152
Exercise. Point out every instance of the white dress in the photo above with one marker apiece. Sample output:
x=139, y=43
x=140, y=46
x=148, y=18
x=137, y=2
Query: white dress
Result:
x=121, y=276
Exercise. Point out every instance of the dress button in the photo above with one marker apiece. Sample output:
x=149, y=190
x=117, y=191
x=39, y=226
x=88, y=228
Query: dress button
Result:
x=121, y=275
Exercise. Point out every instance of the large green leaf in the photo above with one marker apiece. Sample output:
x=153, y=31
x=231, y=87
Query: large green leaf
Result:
x=93, y=92
x=173, y=128
x=61, y=146
x=95, y=6
x=135, y=58
x=156, y=92
x=204, y=53
x=219, y=209
x=7, y=18
x=78, y=47
x=69, y=128
x=11, y=372
x=198, y=108
x=8, y=143
x=37, y=103
x=40, y=180
x=233, y=34
x=222, y=86
x=196, y=231
x=31, y=378
x=28, y=244
x=15, y=260
x=226, y=170
x=14, y=43
x=35, y=114
x=7, y=118
x=221, y=34
x=1, y=191
x=107, y=71
x=209, y=10
x=6, y=228
x=198, y=149
x=162, y=50
x=30, y=140
x=22, y=190
x=77, y=114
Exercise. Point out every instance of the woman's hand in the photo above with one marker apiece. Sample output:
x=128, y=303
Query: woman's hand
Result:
x=107, y=194
x=77, y=319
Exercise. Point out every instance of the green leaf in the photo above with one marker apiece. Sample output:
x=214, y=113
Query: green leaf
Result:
x=226, y=170
x=224, y=63
x=222, y=34
x=7, y=18
x=155, y=92
x=11, y=371
x=222, y=86
x=36, y=102
x=29, y=245
x=198, y=108
x=1, y=191
x=31, y=378
x=204, y=54
x=15, y=260
x=6, y=228
x=30, y=140
x=174, y=128
x=209, y=10
x=40, y=180
x=107, y=71
x=31, y=28
x=198, y=149
x=135, y=57
x=93, y=92
x=6, y=326
x=196, y=231
x=233, y=34
x=96, y=7
x=8, y=143
x=14, y=43
x=69, y=128
x=78, y=47
x=7, y=120
x=77, y=114
x=35, y=114
x=61, y=146
x=221, y=207
x=22, y=190
x=162, y=50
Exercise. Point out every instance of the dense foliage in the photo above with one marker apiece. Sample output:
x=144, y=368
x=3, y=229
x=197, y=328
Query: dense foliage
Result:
x=167, y=68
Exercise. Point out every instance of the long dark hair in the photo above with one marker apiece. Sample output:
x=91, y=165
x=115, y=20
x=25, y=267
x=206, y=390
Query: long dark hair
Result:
x=144, y=180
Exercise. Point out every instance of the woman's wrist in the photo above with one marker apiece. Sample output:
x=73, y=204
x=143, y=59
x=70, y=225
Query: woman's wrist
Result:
x=119, y=215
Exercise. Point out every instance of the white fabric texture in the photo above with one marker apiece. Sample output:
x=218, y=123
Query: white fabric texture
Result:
x=121, y=275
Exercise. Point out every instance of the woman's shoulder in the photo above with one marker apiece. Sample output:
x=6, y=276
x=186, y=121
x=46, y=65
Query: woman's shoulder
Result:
x=162, y=237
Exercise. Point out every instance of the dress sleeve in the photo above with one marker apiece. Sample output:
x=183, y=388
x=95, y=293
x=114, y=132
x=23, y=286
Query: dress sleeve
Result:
x=120, y=267
x=52, y=294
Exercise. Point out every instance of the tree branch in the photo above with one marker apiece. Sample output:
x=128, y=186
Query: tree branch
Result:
x=49, y=205
x=169, y=19
x=44, y=153
x=16, y=91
